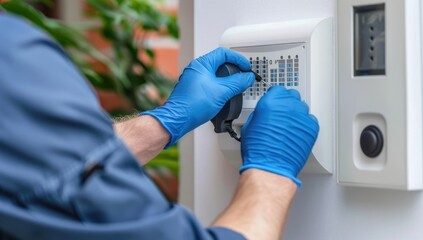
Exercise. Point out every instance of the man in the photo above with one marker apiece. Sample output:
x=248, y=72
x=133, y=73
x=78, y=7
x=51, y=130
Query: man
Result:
x=67, y=173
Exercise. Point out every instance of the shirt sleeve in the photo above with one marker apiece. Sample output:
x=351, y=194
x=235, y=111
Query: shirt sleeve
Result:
x=64, y=174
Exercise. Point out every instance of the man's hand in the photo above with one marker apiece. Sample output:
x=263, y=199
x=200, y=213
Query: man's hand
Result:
x=199, y=95
x=279, y=134
x=276, y=142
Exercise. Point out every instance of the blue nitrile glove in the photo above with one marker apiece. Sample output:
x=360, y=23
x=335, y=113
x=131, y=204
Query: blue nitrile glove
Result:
x=199, y=94
x=279, y=135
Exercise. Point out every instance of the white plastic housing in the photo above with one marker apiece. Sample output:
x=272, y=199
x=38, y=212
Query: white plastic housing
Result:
x=391, y=101
x=309, y=44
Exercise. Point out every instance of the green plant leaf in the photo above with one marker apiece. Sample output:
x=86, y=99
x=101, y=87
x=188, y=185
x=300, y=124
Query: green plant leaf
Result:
x=24, y=10
x=150, y=52
x=172, y=27
x=167, y=158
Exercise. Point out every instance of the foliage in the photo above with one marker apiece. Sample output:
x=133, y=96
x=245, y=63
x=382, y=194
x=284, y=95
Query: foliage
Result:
x=120, y=20
x=168, y=159
x=125, y=72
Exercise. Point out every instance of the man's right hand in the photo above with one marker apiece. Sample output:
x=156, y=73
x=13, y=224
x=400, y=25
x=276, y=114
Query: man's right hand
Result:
x=279, y=135
x=199, y=95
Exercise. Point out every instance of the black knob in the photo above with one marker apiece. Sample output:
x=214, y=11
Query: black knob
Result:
x=371, y=141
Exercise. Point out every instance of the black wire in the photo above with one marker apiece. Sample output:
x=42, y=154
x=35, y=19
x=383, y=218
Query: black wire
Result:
x=232, y=133
x=228, y=124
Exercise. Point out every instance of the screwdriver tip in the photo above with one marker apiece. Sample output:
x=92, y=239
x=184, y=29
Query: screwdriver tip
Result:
x=258, y=77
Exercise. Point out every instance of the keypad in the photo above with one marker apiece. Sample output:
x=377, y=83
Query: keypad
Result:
x=281, y=72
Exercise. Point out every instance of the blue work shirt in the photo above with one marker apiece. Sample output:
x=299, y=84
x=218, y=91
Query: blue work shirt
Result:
x=64, y=174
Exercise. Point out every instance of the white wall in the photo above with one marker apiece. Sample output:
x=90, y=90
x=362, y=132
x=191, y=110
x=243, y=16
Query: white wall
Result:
x=186, y=153
x=322, y=210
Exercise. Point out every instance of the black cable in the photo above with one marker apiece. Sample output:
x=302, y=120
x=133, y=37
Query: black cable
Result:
x=232, y=133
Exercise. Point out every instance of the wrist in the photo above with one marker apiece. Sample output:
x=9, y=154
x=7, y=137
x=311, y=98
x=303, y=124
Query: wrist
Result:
x=172, y=121
x=284, y=172
x=269, y=181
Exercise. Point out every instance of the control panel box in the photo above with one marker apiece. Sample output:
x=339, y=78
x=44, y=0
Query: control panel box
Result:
x=380, y=124
x=297, y=55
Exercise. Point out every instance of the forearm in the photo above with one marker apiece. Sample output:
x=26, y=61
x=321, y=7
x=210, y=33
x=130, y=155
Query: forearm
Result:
x=260, y=206
x=144, y=136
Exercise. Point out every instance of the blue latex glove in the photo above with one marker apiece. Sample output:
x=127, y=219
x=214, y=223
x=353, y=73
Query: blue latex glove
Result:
x=279, y=135
x=199, y=94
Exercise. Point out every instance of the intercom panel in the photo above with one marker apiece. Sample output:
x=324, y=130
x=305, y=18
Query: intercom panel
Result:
x=379, y=94
x=297, y=55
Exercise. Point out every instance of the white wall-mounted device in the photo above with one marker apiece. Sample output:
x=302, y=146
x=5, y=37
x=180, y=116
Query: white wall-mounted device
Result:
x=380, y=94
x=295, y=54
